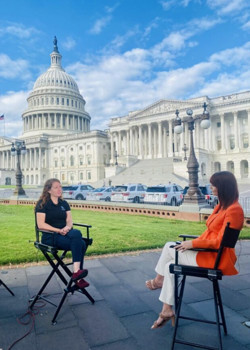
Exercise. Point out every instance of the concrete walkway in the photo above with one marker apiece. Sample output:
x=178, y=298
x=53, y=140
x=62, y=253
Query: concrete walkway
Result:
x=124, y=309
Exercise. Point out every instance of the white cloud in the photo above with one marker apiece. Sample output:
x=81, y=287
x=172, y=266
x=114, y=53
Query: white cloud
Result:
x=100, y=24
x=12, y=105
x=166, y=5
x=225, y=7
x=117, y=84
x=10, y=69
x=68, y=43
x=18, y=30
x=246, y=26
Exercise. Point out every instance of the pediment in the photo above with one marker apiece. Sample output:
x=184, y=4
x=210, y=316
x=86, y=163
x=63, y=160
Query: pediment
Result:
x=166, y=106
x=5, y=141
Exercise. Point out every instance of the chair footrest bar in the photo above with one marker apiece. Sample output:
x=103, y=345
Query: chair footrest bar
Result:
x=195, y=345
x=43, y=298
x=199, y=320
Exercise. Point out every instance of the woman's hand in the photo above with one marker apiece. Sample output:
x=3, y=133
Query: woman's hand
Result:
x=64, y=230
x=184, y=246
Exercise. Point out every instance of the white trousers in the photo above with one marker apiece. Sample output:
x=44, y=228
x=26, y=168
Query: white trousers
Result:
x=167, y=257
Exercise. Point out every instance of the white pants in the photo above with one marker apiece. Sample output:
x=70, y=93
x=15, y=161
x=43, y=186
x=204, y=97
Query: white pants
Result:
x=167, y=257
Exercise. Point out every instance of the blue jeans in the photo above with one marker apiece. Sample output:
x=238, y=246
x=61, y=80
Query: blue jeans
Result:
x=71, y=241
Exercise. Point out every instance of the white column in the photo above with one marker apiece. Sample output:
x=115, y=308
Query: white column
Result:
x=248, y=128
x=170, y=140
x=131, y=140
x=127, y=143
x=160, y=140
x=149, y=141
x=111, y=148
x=140, y=151
x=236, y=130
x=222, y=121
x=119, y=146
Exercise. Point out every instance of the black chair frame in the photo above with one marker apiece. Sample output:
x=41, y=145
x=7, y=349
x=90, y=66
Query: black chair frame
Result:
x=58, y=266
x=229, y=240
x=6, y=287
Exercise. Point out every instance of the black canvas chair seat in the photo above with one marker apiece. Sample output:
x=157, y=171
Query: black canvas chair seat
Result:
x=6, y=287
x=55, y=260
x=181, y=272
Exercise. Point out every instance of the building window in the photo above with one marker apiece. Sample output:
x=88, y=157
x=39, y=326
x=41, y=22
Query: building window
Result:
x=80, y=148
x=63, y=177
x=56, y=163
x=57, y=100
x=62, y=162
x=67, y=102
x=245, y=141
x=55, y=151
x=81, y=161
x=218, y=124
x=63, y=101
x=88, y=160
x=231, y=142
x=72, y=161
x=81, y=176
x=218, y=144
x=89, y=175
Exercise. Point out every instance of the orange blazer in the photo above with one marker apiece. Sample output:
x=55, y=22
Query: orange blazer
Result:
x=212, y=237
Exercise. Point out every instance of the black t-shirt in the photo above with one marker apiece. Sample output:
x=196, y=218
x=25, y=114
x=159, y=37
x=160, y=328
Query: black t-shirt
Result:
x=55, y=214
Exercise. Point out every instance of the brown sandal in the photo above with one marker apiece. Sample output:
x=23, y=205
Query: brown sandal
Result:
x=165, y=319
x=152, y=284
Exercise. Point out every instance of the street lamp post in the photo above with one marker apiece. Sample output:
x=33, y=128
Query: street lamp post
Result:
x=17, y=149
x=194, y=195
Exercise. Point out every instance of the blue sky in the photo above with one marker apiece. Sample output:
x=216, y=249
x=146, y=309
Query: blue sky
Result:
x=124, y=54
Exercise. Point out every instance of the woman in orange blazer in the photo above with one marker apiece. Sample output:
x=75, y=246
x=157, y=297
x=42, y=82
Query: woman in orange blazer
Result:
x=223, y=185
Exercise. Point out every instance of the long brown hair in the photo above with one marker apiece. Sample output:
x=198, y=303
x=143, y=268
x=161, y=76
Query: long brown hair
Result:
x=227, y=187
x=45, y=196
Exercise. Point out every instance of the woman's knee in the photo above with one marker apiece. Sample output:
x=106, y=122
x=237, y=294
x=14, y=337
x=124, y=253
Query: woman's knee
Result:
x=75, y=234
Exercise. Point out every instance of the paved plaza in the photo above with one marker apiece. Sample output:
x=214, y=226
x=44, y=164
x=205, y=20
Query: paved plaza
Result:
x=124, y=309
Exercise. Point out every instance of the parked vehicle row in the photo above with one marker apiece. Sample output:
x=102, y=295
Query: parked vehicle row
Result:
x=162, y=194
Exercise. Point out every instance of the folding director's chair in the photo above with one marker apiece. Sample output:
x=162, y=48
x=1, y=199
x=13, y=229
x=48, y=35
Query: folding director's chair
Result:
x=58, y=266
x=229, y=240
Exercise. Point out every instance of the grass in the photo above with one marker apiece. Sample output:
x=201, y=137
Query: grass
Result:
x=111, y=232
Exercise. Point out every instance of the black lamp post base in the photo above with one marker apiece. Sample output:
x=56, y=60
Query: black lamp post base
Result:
x=19, y=192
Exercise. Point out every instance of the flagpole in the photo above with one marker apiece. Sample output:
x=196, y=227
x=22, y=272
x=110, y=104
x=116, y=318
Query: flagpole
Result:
x=4, y=126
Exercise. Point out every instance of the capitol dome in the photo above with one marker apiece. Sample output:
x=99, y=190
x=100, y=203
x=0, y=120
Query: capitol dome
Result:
x=55, y=105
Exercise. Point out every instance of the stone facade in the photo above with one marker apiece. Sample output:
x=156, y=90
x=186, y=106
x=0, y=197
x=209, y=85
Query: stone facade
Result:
x=149, y=133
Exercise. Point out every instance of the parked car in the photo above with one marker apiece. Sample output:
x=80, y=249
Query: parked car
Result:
x=78, y=192
x=206, y=190
x=100, y=194
x=133, y=193
x=212, y=200
x=170, y=194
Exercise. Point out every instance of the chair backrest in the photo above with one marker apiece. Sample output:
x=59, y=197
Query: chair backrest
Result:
x=229, y=240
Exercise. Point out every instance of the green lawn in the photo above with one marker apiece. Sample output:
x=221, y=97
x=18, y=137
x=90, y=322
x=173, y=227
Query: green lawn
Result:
x=111, y=232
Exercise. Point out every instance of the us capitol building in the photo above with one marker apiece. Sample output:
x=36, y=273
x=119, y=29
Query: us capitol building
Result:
x=59, y=142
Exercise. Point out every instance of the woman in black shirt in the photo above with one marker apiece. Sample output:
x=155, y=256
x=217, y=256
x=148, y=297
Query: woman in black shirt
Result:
x=53, y=214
